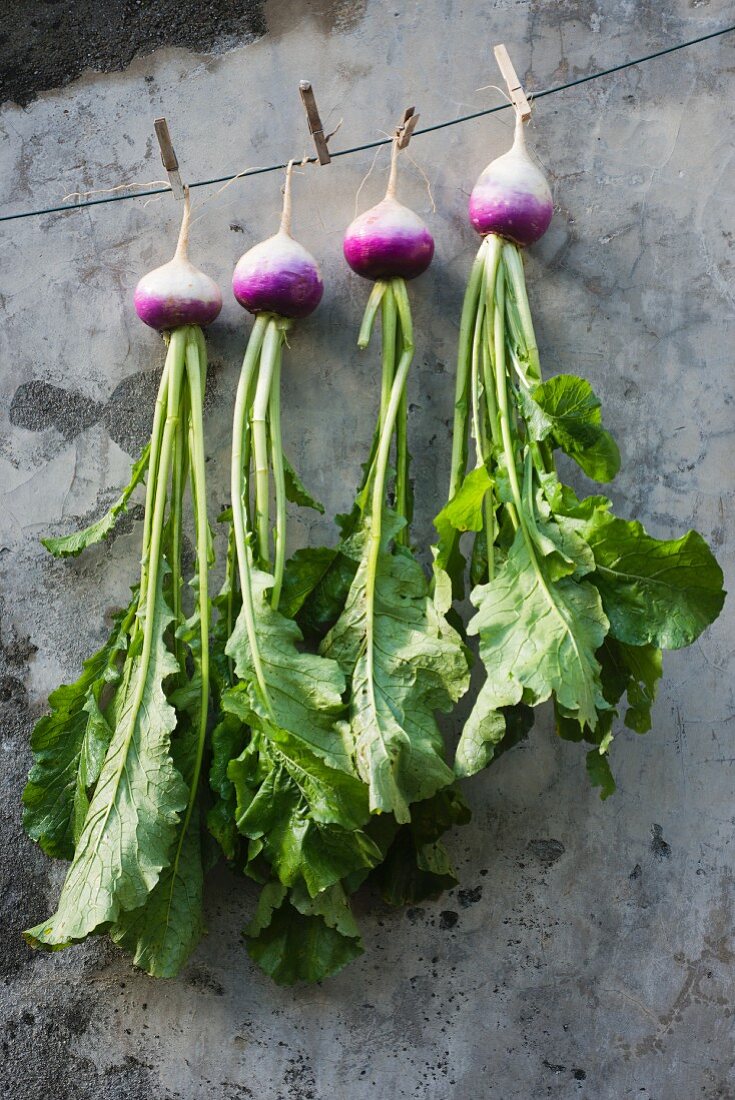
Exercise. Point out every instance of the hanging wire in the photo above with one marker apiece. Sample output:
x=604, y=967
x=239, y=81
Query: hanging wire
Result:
x=380, y=141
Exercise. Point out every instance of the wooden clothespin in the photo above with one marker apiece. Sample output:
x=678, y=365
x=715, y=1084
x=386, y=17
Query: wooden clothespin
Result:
x=406, y=127
x=515, y=88
x=168, y=157
x=316, y=129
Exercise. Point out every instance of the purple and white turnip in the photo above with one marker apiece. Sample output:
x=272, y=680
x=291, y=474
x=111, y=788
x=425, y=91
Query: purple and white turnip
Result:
x=512, y=197
x=389, y=241
x=178, y=293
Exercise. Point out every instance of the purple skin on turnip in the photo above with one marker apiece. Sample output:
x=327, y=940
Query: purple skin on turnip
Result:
x=512, y=197
x=389, y=241
x=178, y=293
x=279, y=275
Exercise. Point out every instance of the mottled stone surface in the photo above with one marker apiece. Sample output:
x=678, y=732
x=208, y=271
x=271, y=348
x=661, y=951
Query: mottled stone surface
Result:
x=588, y=950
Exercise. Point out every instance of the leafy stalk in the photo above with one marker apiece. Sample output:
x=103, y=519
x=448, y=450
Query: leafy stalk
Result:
x=279, y=481
x=280, y=768
x=132, y=732
x=402, y=659
x=269, y=355
x=566, y=584
x=163, y=932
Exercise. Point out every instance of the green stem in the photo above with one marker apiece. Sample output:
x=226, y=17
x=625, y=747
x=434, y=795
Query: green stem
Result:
x=371, y=310
x=269, y=354
x=196, y=441
x=159, y=416
x=491, y=403
x=528, y=495
x=176, y=513
x=479, y=414
x=514, y=268
x=230, y=586
x=518, y=312
x=402, y=506
x=378, y=500
x=478, y=428
x=381, y=471
x=526, y=517
x=239, y=484
x=380, y=292
x=279, y=478
x=147, y=606
x=501, y=390
x=464, y=356
x=388, y=337
x=493, y=263
x=509, y=450
x=402, y=453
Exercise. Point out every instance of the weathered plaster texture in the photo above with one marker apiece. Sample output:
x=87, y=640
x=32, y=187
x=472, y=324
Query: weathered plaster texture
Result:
x=588, y=952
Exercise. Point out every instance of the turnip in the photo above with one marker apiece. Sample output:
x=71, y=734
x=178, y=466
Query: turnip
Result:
x=279, y=275
x=178, y=293
x=572, y=603
x=115, y=782
x=512, y=197
x=389, y=241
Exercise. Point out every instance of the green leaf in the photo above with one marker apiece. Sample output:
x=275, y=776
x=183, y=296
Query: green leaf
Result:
x=478, y=564
x=537, y=638
x=68, y=748
x=654, y=591
x=560, y=538
x=464, y=512
x=518, y=724
x=228, y=741
x=569, y=729
x=412, y=665
x=416, y=865
x=305, y=572
x=304, y=689
x=308, y=815
x=297, y=492
x=293, y=937
x=632, y=671
x=598, y=769
x=565, y=410
x=70, y=545
x=478, y=744
x=626, y=670
x=297, y=791
x=162, y=933
x=646, y=668
x=131, y=824
x=323, y=606
x=489, y=735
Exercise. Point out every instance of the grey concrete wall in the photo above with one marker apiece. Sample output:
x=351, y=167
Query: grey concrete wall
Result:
x=588, y=952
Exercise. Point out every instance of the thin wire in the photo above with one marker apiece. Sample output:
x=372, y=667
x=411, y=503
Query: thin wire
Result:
x=381, y=141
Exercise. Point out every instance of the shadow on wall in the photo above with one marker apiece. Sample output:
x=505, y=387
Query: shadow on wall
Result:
x=127, y=415
x=48, y=45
